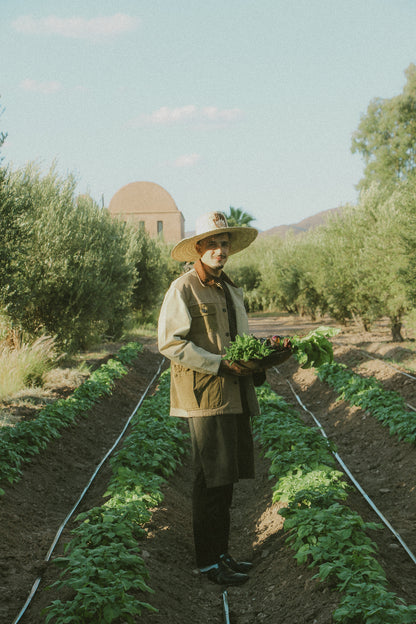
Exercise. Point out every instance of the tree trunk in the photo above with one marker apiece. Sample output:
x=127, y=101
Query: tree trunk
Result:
x=396, y=330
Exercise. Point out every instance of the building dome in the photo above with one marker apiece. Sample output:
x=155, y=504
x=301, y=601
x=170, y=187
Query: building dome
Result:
x=148, y=205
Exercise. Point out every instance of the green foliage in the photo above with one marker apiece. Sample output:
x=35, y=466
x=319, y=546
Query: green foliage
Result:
x=238, y=217
x=322, y=530
x=404, y=200
x=20, y=443
x=311, y=350
x=245, y=276
x=16, y=215
x=249, y=270
x=386, y=136
x=245, y=348
x=148, y=257
x=314, y=349
x=3, y=135
x=365, y=392
x=353, y=267
x=69, y=273
x=102, y=564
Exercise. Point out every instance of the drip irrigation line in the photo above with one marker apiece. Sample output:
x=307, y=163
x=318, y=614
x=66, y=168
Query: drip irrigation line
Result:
x=399, y=370
x=226, y=608
x=353, y=479
x=64, y=523
x=373, y=357
x=389, y=364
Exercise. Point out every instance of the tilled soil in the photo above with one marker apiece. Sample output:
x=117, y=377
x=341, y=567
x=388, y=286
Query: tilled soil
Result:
x=278, y=590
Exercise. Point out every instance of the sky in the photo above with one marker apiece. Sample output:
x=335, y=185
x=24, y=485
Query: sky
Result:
x=243, y=103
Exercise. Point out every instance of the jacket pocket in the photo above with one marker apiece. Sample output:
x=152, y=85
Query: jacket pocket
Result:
x=207, y=390
x=204, y=318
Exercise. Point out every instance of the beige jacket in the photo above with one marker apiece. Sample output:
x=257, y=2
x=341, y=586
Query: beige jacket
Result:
x=193, y=332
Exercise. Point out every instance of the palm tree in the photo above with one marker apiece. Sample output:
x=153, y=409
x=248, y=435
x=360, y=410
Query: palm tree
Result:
x=237, y=217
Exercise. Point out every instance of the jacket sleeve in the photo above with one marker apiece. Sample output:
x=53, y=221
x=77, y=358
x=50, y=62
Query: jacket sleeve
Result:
x=173, y=328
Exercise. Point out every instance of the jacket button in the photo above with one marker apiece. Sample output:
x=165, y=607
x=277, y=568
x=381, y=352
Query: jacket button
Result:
x=224, y=309
x=227, y=333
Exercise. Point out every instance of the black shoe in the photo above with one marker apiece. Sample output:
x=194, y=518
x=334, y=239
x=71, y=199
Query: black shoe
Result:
x=222, y=575
x=236, y=566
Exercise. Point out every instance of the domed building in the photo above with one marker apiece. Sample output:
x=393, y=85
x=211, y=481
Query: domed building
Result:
x=148, y=205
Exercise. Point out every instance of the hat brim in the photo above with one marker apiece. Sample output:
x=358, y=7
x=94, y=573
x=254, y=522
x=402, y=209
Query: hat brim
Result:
x=241, y=237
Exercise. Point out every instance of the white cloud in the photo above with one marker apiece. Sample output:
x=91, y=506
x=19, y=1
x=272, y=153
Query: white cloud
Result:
x=40, y=87
x=188, y=114
x=186, y=160
x=76, y=27
x=213, y=113
x=167, y=115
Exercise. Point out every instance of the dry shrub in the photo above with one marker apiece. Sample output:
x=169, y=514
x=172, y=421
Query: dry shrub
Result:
x=23, y=364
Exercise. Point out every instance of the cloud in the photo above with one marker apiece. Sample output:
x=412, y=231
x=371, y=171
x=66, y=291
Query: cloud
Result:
x=186, y=160
x=40, y=87
x=76, y=27
x=189, y=114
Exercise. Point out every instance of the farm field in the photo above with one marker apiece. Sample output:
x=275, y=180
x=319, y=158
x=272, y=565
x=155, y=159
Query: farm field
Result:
x=279, y=590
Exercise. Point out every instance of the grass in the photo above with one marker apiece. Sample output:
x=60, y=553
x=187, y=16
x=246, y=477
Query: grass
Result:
x=24, y=364
x=148, y=330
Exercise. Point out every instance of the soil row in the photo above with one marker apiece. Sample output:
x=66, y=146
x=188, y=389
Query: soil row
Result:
x=279, y=590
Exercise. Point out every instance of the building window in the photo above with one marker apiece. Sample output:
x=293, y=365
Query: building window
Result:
x=159, y=228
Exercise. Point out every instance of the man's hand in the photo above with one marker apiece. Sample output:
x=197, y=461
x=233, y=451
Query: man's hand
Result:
x=233, y=368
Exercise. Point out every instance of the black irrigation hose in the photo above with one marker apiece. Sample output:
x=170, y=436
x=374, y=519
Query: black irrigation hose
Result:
x=348, y=472
x=61, y=528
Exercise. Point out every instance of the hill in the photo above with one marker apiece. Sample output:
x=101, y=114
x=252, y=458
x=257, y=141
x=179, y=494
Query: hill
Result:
x=301, y=226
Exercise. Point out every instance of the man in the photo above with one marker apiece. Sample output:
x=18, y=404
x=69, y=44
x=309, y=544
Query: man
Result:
x=201, y=314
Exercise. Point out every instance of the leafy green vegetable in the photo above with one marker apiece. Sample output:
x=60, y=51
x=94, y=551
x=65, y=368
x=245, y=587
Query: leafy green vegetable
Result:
x=311, y=350
x=322, y=530
x=103, y=564
x=20, y=443
x=247, y=348
x=367, y=393
x=314, y=349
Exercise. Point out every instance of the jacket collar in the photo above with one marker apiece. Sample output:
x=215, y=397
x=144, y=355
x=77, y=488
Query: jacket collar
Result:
x=207, y=279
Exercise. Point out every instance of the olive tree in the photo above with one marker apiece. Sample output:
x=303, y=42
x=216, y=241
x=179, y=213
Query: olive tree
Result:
x=72, y=277
x=386, y=136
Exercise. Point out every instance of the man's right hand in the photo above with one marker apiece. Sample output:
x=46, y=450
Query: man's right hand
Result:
x=233, y=368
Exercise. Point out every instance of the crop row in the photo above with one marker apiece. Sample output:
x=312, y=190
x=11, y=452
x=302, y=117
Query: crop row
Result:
x=368, y=394
x=102, y=564
x=321, y=528
x=20, y=443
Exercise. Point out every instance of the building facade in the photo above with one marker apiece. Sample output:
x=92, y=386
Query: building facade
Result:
x=148, y=205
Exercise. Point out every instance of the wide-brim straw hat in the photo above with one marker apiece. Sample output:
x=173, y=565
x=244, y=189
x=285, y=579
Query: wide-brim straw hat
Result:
x=211, y=224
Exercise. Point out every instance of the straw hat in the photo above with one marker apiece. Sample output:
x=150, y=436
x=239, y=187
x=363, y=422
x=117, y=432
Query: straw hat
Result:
x=211, y=224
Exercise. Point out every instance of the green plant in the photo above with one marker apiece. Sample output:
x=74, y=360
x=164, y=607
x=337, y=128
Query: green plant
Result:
x=314, y=349
x=20, y=443
x=368, y=394
x=102, y=564
x=245, y=348
x=311, y=350
x=320, y=527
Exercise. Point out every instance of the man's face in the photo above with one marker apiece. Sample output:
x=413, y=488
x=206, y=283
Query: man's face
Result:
x=214, y=251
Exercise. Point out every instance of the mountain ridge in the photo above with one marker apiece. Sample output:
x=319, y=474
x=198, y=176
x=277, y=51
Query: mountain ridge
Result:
x=301, y=226
x=296, y=228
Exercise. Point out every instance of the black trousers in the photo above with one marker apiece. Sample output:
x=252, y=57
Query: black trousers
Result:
x=210, y=519
x=222, y=448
